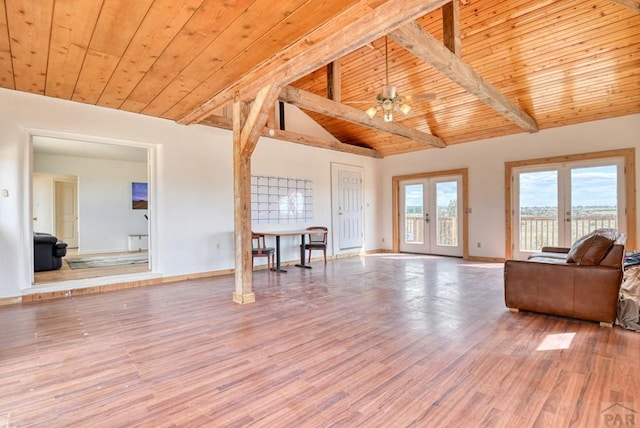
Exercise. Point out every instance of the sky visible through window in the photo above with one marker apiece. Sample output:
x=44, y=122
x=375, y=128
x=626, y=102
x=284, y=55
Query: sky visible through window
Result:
x=447, y=191
x=592, y=186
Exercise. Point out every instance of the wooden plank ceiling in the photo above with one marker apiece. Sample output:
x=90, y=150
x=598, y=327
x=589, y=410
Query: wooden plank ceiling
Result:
x=545, y=63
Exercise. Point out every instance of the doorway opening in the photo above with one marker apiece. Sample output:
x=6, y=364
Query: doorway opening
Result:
x=81, y=192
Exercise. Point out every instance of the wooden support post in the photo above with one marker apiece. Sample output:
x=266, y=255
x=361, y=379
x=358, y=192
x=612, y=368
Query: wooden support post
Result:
x=451, y=26
x=242, y=210
x=247, y=127
x=334, y=81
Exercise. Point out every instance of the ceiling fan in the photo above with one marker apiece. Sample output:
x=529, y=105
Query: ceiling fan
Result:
x=389, y=100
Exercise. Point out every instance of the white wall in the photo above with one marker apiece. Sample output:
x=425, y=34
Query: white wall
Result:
x=106, y=217
x=192, y=183
x=485, y=160
x=282, y=159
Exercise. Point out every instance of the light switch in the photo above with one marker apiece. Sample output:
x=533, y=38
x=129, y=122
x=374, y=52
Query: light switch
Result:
x=5, y=193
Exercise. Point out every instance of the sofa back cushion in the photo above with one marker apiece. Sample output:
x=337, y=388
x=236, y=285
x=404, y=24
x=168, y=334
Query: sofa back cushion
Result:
x=592, y=248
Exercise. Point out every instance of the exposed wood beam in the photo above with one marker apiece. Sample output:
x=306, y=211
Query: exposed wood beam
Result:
x=334, y=81
x=330, y=108
x=451, y=26
x=633, y=5
x=417, y=41
x=293, y=137
x=323, y=143
x=258, y=116
x=317, y=50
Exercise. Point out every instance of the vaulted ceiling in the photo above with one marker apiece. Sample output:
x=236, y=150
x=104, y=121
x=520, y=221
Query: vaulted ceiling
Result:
x=509, y=67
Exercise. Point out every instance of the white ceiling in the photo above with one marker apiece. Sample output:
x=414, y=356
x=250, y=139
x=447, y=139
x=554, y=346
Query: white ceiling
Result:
x=76, y=148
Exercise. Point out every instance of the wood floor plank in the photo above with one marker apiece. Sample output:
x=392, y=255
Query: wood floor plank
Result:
x=379, y=340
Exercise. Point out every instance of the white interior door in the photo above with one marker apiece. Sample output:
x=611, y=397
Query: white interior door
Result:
x=350, y=209
x=66, y=211
x=557, y=204
x=431, y=217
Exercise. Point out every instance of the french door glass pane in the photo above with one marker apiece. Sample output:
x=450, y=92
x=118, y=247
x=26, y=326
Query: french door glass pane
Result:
x=447, y=213
x=538, y=210
x=414, y=213
x=594, y=192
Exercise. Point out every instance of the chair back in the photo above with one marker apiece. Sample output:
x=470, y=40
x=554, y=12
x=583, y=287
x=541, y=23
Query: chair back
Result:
x=257, y=242
x=320, y=237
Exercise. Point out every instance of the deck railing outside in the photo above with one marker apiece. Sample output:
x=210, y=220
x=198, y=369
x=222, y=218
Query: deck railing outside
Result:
x=447, y=230
x=537, y=231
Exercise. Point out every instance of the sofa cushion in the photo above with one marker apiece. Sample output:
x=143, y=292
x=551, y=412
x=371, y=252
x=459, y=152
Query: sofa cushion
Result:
x=591, y=249
x=542, y=258
x=549, y=255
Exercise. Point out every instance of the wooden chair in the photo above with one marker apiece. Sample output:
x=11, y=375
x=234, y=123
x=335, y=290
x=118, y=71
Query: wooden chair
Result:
x=317, y=241
x=261, y=250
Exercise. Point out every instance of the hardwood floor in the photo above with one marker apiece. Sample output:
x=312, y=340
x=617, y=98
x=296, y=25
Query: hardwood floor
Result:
x=379, y=341
x=65, y=273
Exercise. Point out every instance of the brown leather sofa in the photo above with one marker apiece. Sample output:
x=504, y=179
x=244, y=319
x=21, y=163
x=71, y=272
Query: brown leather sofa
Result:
x=578, y=282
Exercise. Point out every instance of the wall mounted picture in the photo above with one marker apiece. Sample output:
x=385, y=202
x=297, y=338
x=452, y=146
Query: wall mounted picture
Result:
x=139, y=196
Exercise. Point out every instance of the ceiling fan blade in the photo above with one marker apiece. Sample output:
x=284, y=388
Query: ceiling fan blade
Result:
x=429, y=96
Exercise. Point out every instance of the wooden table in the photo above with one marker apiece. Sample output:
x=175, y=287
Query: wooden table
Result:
x=279, y=233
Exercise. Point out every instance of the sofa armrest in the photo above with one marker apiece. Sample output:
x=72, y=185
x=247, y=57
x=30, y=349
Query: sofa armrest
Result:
x=555, y=250
x=614, y=258
x=44, y=238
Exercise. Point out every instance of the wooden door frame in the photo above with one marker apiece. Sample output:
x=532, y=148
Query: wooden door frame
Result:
x=395, y=203
x=629, y=156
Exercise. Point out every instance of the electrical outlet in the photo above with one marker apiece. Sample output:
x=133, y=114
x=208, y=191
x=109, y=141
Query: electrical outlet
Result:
x=383, y=240
x=479, y=245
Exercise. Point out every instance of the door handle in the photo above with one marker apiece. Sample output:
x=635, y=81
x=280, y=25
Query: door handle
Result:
x=426, y=217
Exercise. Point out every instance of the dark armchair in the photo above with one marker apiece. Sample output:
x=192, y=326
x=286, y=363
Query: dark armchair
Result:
x=48, y=252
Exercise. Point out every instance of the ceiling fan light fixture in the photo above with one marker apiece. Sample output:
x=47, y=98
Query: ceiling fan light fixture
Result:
x=389, y=91
x=388, y=100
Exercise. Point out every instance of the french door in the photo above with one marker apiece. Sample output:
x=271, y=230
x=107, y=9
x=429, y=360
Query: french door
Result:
x=557, y=204
x=430, y=216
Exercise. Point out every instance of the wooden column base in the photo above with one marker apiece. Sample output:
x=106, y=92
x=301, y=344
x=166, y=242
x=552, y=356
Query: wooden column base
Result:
x=244, y=298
